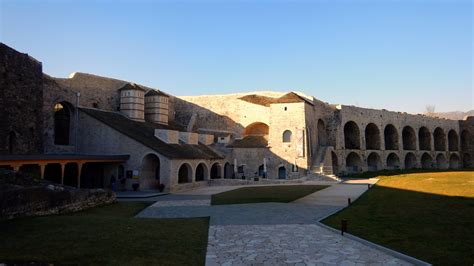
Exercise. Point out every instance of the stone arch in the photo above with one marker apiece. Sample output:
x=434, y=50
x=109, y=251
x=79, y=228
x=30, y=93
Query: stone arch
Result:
x=454, y=161
x=410, y=161
x=372, y=137
x=465, y=139
x=62, y=123
x=391, y=137
x=353, y=163
x=467, y=160
x=260, y=170
x=282, y=172
x=352, y=136
x=335, y=167
x=228, y=170
x=32, y=170
x=286, y=136
x=52, y=172
x=426, y=161
x=374, y=163
x=216, y=171
x=453, y=140
x=424, y=137
x=256, y=129
x=185, y=173
x=11, y=142
x=71, y=172
x=322, y=133
x=150, y=174
x=439, y=139
x=393, y=161
x=409, y=138
x=201, y=173
x=441, y=162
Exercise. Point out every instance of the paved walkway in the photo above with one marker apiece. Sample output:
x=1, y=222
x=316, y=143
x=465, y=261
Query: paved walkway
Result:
x=274, y=233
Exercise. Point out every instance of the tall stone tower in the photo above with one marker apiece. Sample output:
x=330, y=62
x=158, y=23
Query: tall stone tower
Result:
x=156, y=107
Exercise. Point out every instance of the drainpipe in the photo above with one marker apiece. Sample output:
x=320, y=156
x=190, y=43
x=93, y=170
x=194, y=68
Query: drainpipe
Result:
x=78, y=95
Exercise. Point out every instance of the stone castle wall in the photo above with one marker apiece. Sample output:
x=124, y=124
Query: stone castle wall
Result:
x=21, y=97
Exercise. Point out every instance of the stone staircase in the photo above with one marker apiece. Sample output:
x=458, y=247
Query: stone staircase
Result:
x=320, y=170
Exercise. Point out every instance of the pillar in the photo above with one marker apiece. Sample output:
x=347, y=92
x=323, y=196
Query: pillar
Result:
x=79, y=170
x=42, y=169
x=63, y=169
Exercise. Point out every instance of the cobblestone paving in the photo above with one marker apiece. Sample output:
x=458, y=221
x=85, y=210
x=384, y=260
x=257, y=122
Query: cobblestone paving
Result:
x=296, y=244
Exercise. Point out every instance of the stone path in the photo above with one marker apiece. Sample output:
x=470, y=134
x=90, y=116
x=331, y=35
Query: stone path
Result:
x=274, y=233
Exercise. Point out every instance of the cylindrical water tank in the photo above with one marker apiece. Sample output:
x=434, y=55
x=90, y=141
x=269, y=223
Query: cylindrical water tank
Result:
x=132, y=101
x=156, y=107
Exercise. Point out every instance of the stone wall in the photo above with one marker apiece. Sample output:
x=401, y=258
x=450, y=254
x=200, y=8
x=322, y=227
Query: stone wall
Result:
x=21, y=98
x=467, y=140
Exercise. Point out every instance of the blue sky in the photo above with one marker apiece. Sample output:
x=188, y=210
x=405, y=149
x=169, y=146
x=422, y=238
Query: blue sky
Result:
x=398, y=55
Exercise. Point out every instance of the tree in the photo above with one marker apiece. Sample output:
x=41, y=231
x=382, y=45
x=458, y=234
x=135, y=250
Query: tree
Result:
x=430, y=110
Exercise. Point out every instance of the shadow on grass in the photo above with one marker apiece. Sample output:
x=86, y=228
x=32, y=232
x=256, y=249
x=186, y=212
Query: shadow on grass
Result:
x=381, y=173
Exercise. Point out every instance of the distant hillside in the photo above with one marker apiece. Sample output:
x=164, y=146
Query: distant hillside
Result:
x=457, y=115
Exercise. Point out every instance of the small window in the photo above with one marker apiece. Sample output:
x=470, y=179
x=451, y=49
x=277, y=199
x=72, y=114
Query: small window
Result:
x=286, y=108
x=287, y=136
x=240, y=170
x=95, y=105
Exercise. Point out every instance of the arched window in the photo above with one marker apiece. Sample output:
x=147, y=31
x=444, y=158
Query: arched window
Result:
x=391, y=137
x=287, y=136
x=409, y=138
x=62, y=119
x=351, y=135
x=372, y=137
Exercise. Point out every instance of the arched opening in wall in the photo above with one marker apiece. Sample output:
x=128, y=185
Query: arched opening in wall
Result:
x=393, y=162
x=150, y=171
x=374, y=162
x=453, y=140
x=391, y=137
x=322, y=134
x=372, y=137
x=410, y=161
x=216, y=171
x=353, y=163
x=465, y=139
x=281, y=172
x=201, y=172
x=71, y=172
x=31, y=170
x=52, y=172
x=454, y=161
x=228, y=170
x=351, y=136
x=424, y=137
x=256, y=129
x=441, y=162
x=62, y=123
x=467, y=160
x=92, y=175
x=439, y=139
x=184, y=174
x=11, y=142
x=286, y=136
x=409, y=138
x=426, y=161
x=335, y=168
x=260, y=170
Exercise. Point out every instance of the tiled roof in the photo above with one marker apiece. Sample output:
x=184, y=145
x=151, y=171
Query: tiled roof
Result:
x=250, y=142
x=155, y=93
x=144, y=132
x=290, y=97
x=132, y=86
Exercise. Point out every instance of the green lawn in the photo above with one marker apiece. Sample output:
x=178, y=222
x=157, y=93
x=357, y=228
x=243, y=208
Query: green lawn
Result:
x=105, y=235
x=264, y=194
x=429, y=216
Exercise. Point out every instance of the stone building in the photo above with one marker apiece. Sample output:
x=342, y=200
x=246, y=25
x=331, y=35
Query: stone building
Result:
x=96, y=129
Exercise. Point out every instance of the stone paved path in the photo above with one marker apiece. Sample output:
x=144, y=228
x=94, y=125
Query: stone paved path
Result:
x=274, y=233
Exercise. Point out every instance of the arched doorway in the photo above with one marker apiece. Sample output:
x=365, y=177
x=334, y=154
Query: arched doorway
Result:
x=228, y=170
x=410, y=161
x=32, y=170
x=441, y=162
x=335, y=168
x=184, y=174
x=353, y=163
x=424, y=137
x=256, y=129
x=351, y=136
x=453, y=140
x=201, y=172
x=409, y=138
x=426, y=161
x=281, y=172
x=52, y=172
x=454, y=161
x=150, y=172
x=391, y=137
x=322, y=134
x=260, y=170
x=62, y=123
x=439, y=139
x=393, y=162
x=71, y=172
x=374, y=163
x=467, y=160
x=216, y=171
x=372, y=137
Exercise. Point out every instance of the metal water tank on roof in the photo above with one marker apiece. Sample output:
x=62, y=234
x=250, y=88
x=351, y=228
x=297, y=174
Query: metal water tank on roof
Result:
x=132, y=101
x=156, y=107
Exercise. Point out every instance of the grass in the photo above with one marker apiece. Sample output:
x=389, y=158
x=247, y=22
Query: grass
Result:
x=429, y=216
x=105, y=235
x=264, y=194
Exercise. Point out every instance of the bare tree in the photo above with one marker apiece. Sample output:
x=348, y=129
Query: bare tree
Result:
x=430, y=110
